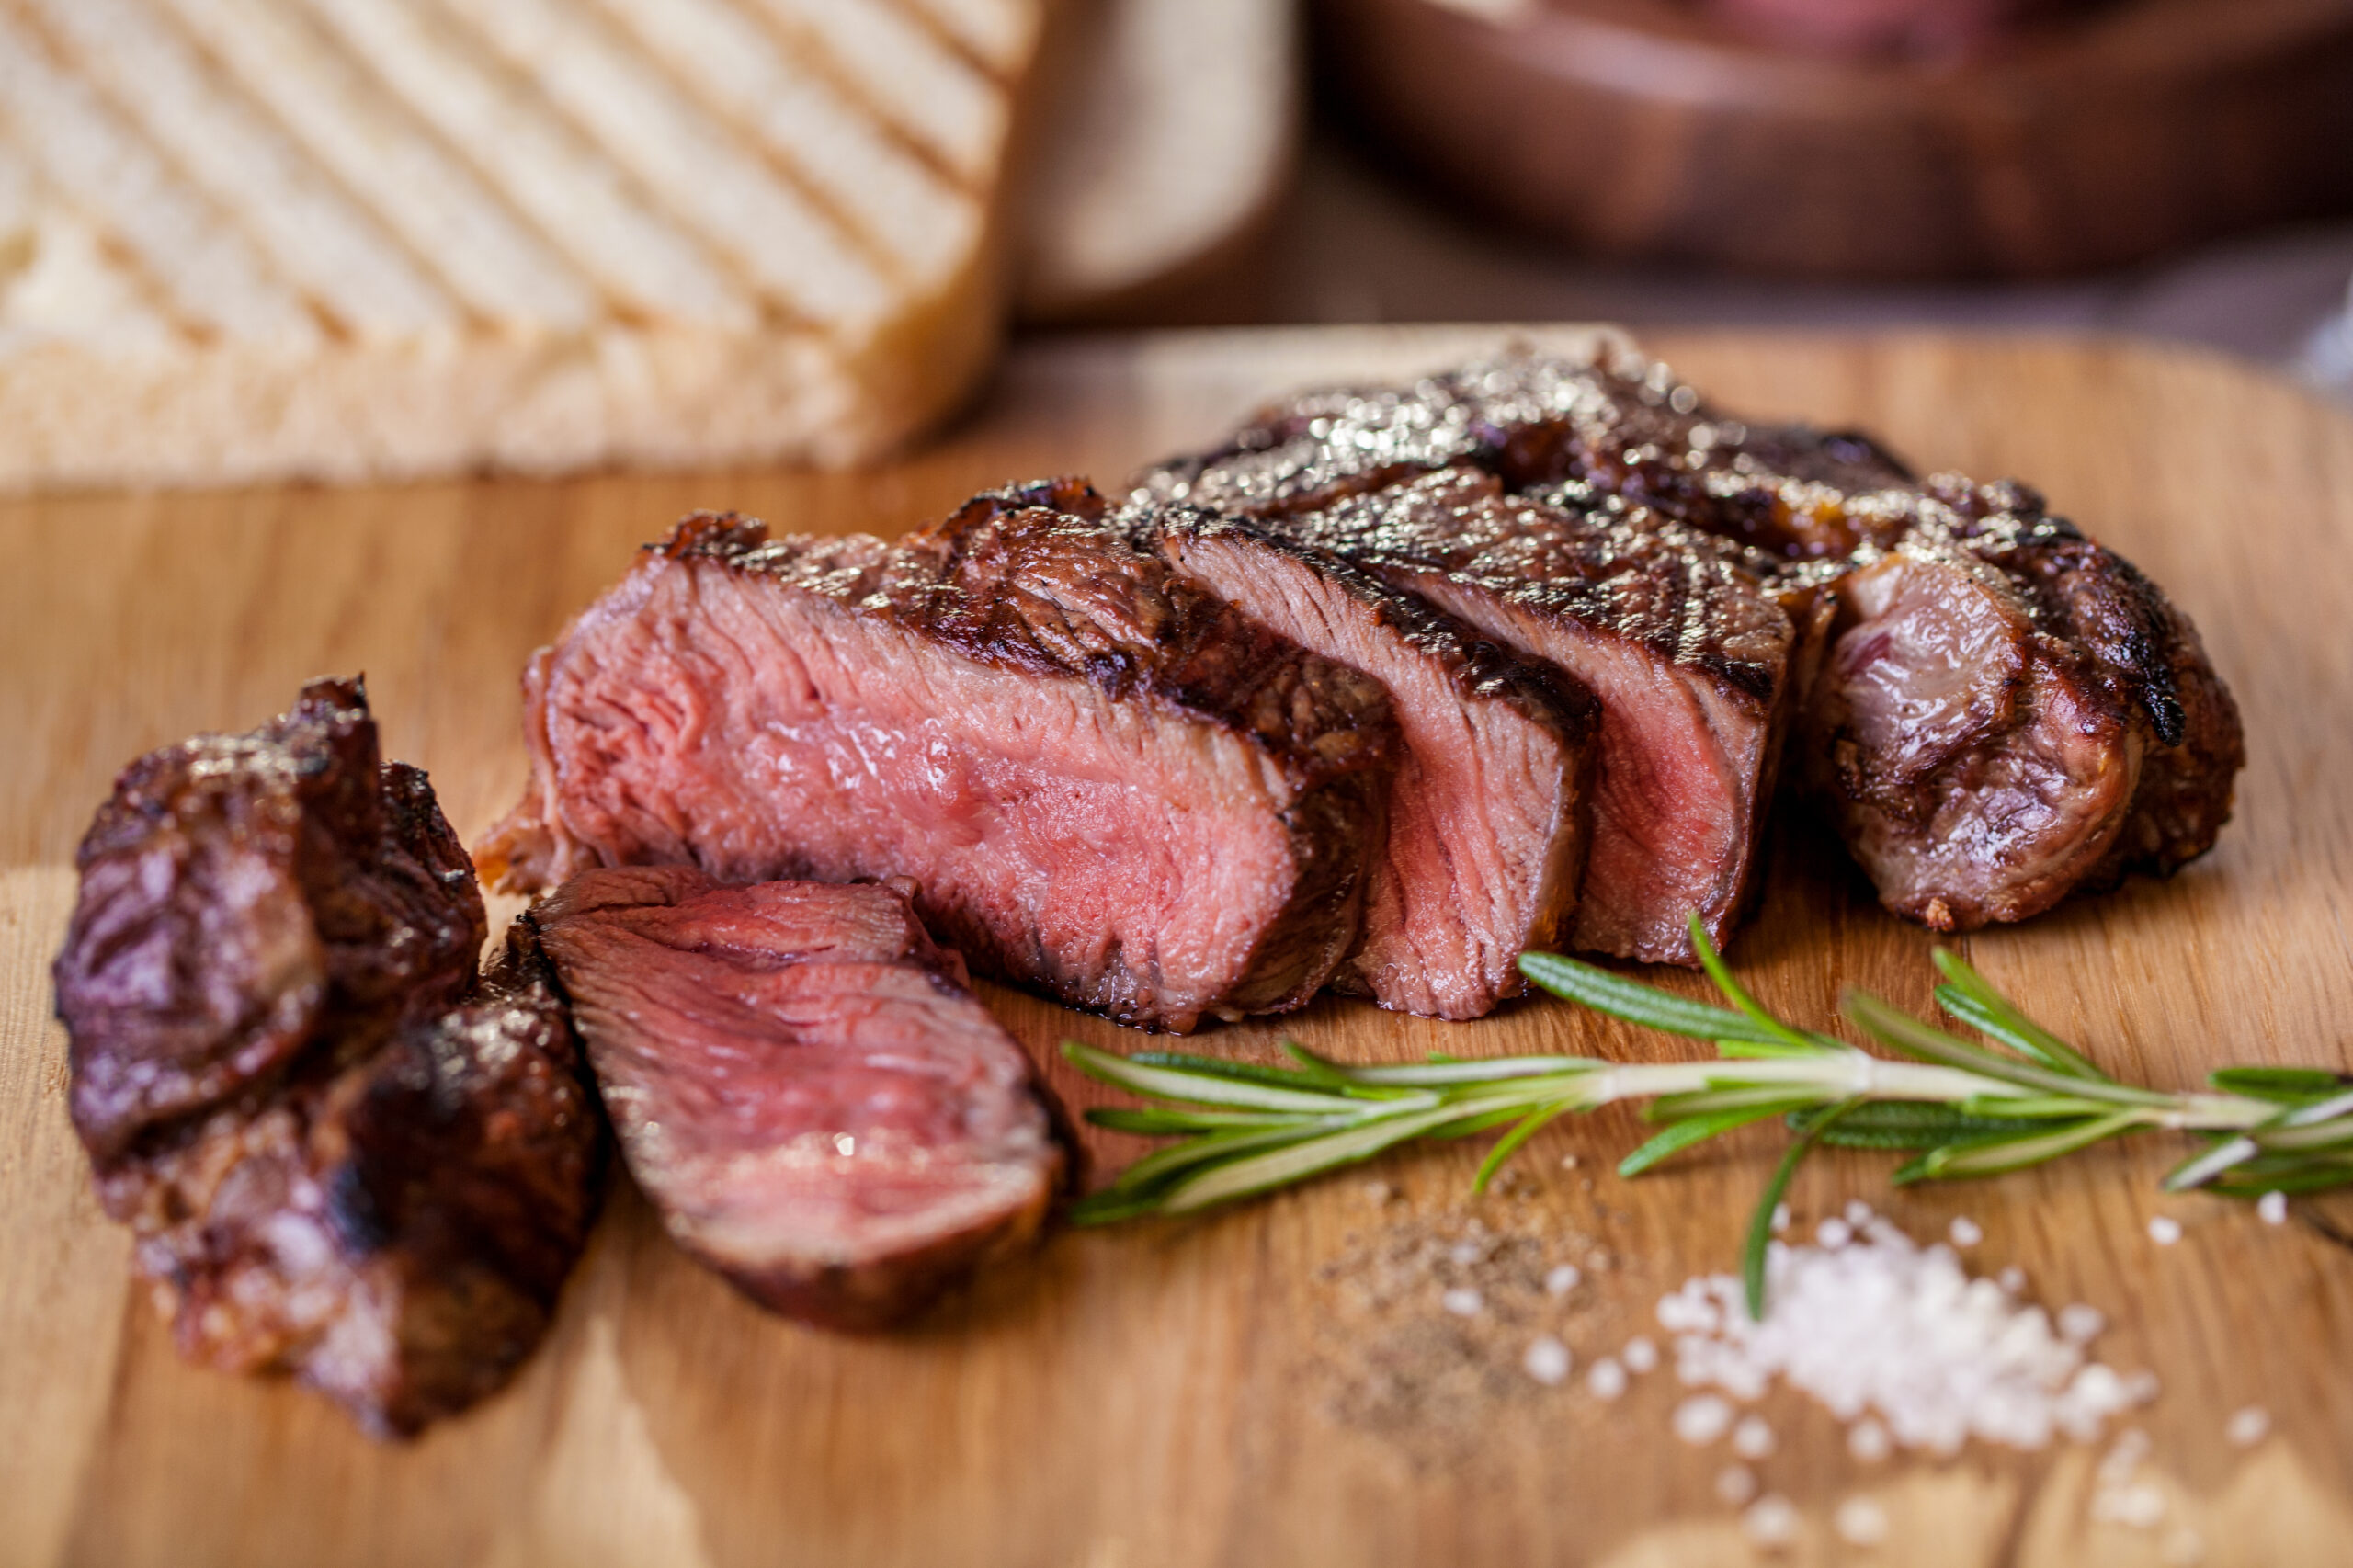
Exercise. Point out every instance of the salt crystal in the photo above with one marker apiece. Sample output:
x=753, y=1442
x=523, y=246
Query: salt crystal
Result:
x=2248, y=1427
x=2080, y=1324
x=1702, y=1419
x=1597, y=1260
x=1562, y=1278
x=1965, y=1232
x=1568, y=1162
x=1771, y=1520
x=1752, y=1439
x=1735, y=1485
x=1607, y=1380
x=2164, y=1230
x=1547, y=1360
x=1640, y=1355
x=1861, y=1521
x=1877, y=1328
x=1463, y=1254
x=1462, y=1302
x=1780, y=1218
x=2117, y=1465
x=2139, y=1507
x=1859, y=1213
x=2273, y=1207
x=2012, y=1279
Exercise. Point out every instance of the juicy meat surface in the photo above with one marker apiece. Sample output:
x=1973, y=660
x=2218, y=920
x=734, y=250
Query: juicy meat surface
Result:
x=1488, y=812
x=1689, y=656
x=1106, y=782
x=340, y=1154
x=2011, y=713
x=2095, y=740
x=241, y=894
x=1626, y=428
x=804, y=1085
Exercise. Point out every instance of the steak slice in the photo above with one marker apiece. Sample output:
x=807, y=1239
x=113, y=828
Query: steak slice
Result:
x=340, y=1155
x=1488, y=813
x=1959, y=821
x=1689, y=655
x=804, y=1085
x=1106, y=782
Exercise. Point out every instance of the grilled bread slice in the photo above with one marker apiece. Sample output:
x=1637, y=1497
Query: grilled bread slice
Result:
x=243, y=240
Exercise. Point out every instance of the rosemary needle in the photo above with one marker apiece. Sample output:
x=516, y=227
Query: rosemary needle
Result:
x=1962, y=1110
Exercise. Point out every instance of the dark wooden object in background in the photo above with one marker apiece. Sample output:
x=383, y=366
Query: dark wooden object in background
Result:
x=1637, y=128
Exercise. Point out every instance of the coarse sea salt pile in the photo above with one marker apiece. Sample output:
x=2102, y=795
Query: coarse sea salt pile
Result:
x=1872, y=1325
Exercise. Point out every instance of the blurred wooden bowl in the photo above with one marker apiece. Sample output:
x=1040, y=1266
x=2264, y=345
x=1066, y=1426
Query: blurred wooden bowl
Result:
x=1639, y=129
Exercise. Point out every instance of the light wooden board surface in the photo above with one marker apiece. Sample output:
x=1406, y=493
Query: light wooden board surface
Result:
x=1194, y=1393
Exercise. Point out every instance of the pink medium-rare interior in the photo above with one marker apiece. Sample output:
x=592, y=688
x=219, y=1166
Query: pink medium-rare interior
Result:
x=1110, y=850
x=1675, y=791
x=1484, y=837
x=805, y=1107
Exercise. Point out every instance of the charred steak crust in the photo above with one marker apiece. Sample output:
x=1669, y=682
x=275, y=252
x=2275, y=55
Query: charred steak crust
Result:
x=240, y=895
x=339, y=1155
x=806, y=1087
x=2019, y=812
x=1005, y=689
x=1488, y=813
x=1688, y=653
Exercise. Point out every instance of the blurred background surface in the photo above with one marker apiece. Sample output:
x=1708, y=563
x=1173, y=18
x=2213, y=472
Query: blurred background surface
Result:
x=253, y=240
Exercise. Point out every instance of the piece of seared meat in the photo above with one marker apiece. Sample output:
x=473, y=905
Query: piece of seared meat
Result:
x=2011, y=713
x=340, y=1154
x=241, y=895
x=1625, y=427
x=1489, y=810
x=1106, y=782
x=1689, y=655
x=805, y=1086
x=1958, y=819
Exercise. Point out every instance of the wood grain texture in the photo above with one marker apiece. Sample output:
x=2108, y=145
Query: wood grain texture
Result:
x=1162, y=1396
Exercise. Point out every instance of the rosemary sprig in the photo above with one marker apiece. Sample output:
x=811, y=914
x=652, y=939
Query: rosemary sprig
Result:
x=1962, y=1110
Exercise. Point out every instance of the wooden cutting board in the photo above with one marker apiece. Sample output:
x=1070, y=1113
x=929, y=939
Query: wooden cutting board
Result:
x=1220, y=1390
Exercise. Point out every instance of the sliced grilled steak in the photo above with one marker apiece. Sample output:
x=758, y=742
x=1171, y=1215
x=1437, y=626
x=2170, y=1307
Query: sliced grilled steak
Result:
x=1689, y=656
x=1108, y=783
x=334, y=1164
x=2012, y=713
x=2102, y=741
x=1626, y=428
x=805, y=1086
x=1487, y=818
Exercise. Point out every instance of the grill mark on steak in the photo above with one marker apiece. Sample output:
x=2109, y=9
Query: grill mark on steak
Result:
x=805, y=1086
x=1688, y=655
x=1488, y=813
x=1106, y=782
x=339, y=1155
